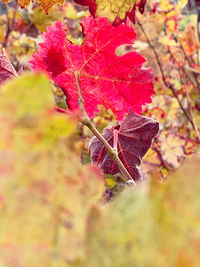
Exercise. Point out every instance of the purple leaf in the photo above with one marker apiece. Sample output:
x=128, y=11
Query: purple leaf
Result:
x=7, y=71
x=135, y=135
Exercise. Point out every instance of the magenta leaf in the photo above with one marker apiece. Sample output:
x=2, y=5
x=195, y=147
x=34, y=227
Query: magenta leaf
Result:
x=135, y=135
x=119, y=83
x=7, y=71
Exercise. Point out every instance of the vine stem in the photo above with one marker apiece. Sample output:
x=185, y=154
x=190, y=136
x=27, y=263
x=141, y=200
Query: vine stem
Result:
x=164, y=79
x=187, y=93
x=191, y=112
x=87, y=122
x=10, y=24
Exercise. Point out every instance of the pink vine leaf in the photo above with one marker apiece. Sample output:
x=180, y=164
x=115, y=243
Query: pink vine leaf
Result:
x=119, y=83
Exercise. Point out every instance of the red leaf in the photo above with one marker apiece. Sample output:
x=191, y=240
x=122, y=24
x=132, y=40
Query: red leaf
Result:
x=135, y=135
x=6, y=69
x=90, y=3
x=117, y=82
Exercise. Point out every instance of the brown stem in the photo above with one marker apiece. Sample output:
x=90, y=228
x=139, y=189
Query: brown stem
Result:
x=14, y=15
x=10, y=24
x=186, y=92
x=87, y=122
x=190, y=65
x=163, y=76
x=184, y=68
x=8, y=30
x=192, y=70
x=160, y=156
x=191, y=113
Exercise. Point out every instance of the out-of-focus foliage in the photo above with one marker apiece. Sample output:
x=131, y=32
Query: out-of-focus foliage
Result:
x=49, y=202
x=46, y=5
x=153, y=225
x=50, y=213
x=45, y=193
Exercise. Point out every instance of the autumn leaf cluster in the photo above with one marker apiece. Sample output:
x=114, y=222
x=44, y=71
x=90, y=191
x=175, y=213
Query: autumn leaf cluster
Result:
x=99, y=129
